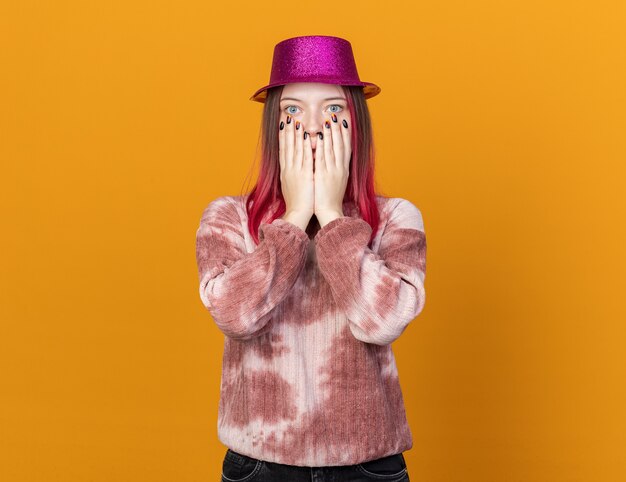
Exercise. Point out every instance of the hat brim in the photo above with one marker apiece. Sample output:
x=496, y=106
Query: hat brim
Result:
x=369, y=90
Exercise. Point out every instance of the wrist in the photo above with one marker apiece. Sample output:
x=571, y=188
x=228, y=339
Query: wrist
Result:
x=300, y=219
x=325, y=217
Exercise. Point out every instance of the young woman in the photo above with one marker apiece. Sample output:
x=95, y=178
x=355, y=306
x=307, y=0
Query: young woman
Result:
x=311, y=276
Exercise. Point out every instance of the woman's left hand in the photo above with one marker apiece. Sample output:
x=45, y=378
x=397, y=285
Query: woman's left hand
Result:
x=332, y=168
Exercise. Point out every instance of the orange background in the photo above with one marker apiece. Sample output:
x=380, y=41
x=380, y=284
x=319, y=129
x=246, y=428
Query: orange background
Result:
x=504, y=122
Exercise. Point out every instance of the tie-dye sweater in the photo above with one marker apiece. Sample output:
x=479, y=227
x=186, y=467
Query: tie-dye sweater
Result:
x=309, y=376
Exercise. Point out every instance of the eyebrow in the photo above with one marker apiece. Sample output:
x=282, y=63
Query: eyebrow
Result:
x=300, y=100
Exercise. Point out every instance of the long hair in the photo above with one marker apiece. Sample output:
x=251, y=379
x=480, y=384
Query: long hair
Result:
x=361, y=185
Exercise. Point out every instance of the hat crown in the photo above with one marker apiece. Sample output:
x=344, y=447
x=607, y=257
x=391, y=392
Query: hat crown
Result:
x=314, y=58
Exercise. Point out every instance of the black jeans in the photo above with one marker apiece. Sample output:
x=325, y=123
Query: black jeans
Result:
x=241, y=468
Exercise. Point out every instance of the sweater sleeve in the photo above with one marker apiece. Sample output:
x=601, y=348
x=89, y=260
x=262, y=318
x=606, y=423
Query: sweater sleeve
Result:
x=240, y=289
x=380, y=293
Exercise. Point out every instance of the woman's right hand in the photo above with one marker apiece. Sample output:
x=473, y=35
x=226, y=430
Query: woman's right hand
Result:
x=296, y=172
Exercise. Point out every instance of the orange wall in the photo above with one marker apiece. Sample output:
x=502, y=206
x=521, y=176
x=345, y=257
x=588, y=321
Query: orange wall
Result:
x=502, y=121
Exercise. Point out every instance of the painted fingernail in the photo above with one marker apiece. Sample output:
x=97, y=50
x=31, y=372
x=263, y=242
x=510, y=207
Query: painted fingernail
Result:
x=327, y=124
x=334, y=117
x=297, y=125
x=288, y=119
x=345, y=123
x=282, y=125
x=321, y=135
x=305, y=134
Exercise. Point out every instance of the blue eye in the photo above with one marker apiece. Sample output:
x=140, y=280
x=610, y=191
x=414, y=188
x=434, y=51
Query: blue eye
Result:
x=291, y=112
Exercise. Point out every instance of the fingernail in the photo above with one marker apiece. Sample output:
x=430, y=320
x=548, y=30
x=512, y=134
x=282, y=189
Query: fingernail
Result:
x=334, y=117
x=282, y=124
x=297, y=125
x=321, y=135
x=327, y=124
x=288, y=119
x=305, y=134
x=345, y=123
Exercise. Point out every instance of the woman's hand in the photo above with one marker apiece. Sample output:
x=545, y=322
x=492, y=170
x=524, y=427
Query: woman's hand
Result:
x=332, y=168
x=296, y=172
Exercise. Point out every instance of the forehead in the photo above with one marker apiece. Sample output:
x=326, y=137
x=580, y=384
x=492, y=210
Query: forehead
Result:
x=311, y=91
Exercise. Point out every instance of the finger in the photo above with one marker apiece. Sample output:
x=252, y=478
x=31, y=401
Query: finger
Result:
x=335, y=129
x=307, y=164
x=320, y=163
x=328, y=146
x=298, y=134
x=289, y=144
x=346, y=136
x=281, y=144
